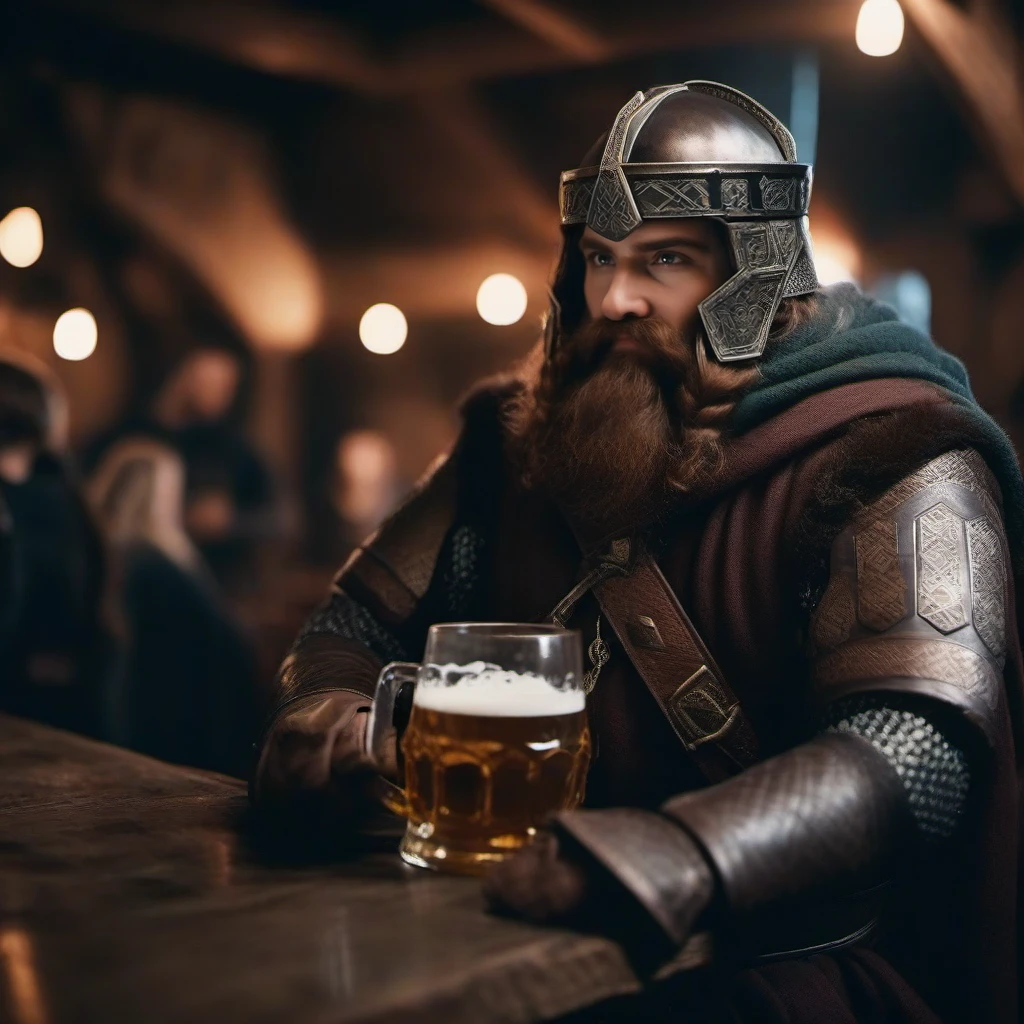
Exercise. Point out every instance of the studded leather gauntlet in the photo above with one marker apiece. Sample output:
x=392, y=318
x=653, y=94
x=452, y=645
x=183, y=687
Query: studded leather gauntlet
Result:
x=823, y=819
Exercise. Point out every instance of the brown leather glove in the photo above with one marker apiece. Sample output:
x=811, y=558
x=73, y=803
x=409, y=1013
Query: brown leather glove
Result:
x=313, y=760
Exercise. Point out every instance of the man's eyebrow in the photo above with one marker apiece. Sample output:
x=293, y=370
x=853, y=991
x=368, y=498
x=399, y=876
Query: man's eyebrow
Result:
x=674, y=242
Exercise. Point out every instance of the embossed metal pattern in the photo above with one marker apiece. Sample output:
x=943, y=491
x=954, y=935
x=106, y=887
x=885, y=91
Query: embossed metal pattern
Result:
x=658, y=197
x=574, y=199
x=701, y=710
x=778, y=194
x=735, y=195
x=910, y=657
x=964, y=467
x=835, y=615
x=988, y=583
x=803, y=277
x=940, y=569
x=683, y=190
x=613, y=212
x=738, y=316
x=881, y=589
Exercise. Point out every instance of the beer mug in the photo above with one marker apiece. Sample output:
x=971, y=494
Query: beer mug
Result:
x=496, y=740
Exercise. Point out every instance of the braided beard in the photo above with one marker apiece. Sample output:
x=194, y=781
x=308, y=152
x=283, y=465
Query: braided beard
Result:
x=615, y=438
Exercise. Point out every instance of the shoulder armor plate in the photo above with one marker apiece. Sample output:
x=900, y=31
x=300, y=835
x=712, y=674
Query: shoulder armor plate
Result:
x=918, y=591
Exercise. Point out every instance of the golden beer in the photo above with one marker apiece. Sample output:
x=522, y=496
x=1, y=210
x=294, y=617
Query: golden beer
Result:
x=485, y=766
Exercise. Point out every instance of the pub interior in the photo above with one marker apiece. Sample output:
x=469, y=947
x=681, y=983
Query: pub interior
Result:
x=254, y=254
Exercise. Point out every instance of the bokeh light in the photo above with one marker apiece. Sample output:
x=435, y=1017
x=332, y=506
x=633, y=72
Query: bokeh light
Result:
x=21, y=237
x=832, y=269
x=383, y=329
x=75, y=334
x=880, y=27
x=501, y=300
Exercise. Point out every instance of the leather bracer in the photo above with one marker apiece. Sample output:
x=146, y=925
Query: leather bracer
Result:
x=917, y=594
x=826, y=819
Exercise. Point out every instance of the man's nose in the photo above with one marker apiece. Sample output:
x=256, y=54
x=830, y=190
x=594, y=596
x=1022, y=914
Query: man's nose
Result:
x=624, y=298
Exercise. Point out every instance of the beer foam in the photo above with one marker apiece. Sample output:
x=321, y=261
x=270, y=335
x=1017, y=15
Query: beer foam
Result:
x=487, y=690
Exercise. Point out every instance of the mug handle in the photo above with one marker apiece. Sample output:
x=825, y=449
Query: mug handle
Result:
x=389, y=715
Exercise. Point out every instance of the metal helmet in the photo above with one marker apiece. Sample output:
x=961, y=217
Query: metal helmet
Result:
x=701, y=149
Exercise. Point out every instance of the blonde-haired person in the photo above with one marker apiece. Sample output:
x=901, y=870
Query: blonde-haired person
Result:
x=188, y=692
x=231, y=509
x=138, y=495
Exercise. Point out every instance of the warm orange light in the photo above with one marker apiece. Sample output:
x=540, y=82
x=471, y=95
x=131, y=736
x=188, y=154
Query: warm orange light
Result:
x=383, y=329
x=501, y=299
x=837, y=256
x=21, y=237
x=880, y=27
x=18, y=970
x=75, y=334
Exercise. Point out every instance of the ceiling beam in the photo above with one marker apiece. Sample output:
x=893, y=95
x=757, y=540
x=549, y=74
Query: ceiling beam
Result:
x=459, y=119
x=980, y=58
x=319, y=48
x=288, y=43
x=441, y=58
x=554, y=27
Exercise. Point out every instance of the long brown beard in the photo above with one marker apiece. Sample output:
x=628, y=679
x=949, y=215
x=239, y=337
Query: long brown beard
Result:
x=617, y=439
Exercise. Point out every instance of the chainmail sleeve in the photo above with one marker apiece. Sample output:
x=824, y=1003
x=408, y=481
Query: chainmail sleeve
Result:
x=934, y=771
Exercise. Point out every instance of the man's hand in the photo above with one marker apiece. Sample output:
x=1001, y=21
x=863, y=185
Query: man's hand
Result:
x=629, y=874
x=313, y=759
x=540, y=884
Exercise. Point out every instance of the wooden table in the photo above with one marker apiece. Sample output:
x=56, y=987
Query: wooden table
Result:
x=133, y=890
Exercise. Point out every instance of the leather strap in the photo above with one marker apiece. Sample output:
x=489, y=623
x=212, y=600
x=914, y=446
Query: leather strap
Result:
x=676, y=665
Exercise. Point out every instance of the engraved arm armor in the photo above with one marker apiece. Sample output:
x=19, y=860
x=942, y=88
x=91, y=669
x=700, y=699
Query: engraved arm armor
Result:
x=908, y=648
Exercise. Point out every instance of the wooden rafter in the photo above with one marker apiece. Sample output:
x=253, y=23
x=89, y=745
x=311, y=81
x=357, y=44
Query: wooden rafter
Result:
x=315, y=47
x=567, y=34
x=457, y=117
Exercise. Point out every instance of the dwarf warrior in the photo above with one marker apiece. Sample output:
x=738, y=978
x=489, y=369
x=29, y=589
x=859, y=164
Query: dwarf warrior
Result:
x=709, y=457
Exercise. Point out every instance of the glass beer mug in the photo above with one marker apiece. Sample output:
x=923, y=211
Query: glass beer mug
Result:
x=497, y=740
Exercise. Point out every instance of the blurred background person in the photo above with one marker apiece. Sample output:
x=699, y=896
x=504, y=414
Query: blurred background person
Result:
x=188, y=690
x=56, y=650
x=229, y=492
x=366, y=485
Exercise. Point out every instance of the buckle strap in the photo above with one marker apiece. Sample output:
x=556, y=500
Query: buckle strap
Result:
x=614, y=562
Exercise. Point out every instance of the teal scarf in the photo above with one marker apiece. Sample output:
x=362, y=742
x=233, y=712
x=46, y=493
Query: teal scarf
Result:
x=856, y=338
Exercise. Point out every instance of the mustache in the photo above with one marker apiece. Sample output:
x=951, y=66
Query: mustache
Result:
x=662, y=347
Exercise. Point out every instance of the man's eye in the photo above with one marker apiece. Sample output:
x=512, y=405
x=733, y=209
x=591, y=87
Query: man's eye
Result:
x=668, y=259
x=599, y=259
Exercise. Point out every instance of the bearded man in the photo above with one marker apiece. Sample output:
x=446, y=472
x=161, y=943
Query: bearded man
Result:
x=833, y=793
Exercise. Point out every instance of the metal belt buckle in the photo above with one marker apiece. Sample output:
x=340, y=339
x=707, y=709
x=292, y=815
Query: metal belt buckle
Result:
x=700, y=710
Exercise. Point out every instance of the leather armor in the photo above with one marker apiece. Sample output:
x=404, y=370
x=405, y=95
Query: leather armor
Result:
x=917, y=594
x=914, y=611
